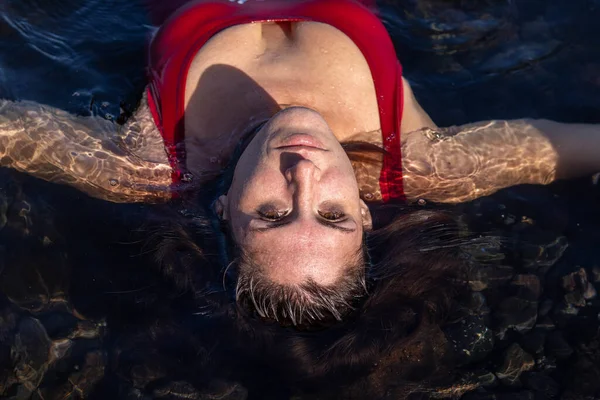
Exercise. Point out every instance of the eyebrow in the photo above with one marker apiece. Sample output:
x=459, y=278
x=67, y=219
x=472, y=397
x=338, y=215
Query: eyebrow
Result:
x=328, y=224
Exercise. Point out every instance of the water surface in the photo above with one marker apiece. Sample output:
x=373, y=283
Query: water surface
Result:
x=75, y=277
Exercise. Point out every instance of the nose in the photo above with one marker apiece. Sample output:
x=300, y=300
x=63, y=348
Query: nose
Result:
x=302, y=176
x=302, y=173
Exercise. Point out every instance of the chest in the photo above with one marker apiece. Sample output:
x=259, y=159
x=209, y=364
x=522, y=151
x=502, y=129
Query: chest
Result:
x=249, y=72
x=257, y=69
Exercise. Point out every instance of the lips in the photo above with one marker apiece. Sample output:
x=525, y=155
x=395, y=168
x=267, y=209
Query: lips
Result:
x=301, y=140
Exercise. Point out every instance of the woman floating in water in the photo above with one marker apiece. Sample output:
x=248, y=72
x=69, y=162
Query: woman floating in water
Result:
x=314, y=92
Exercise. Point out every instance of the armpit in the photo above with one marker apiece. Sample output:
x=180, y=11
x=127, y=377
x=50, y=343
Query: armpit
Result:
x=413, y=115
x=141, y=137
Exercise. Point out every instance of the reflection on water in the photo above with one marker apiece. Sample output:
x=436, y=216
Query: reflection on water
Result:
x=85, y=312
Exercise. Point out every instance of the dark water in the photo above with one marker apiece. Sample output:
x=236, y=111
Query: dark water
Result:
x=81, y=302
x=73, y=54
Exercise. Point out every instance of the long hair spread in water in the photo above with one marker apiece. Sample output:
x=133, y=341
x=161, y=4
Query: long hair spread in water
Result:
x=393, y=327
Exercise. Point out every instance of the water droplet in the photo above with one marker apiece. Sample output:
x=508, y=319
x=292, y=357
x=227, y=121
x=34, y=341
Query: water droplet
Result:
x=113, y=182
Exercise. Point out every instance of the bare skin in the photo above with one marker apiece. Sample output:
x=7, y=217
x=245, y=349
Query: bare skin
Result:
x=121, y=165
x=296, y=203
x=280, y=65
x=445, y=165
x=293, y=204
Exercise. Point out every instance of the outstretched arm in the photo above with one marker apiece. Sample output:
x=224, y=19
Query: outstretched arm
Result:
x=120, y=164
x=462, y=163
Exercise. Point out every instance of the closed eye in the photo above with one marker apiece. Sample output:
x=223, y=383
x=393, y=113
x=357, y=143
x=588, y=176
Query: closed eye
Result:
x=272, y=213
x=334, y=216
x=324, y=222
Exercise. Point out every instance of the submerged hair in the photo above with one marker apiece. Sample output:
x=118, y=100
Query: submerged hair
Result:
x=415, y=279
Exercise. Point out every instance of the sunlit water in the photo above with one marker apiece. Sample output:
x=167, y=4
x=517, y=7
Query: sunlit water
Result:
x=75, y=279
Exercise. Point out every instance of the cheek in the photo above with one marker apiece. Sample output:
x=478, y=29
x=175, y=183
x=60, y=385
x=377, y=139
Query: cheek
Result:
x=257, y=186
x=340, y=179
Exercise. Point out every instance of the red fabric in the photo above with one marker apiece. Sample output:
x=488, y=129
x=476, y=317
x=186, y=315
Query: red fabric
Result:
x=188, y=29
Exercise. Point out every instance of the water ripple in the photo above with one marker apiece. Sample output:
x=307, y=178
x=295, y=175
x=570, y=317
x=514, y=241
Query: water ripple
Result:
x=50, y=44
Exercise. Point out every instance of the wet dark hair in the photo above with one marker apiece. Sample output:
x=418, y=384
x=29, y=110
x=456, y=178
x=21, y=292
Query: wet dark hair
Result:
x=389, y=343
x=308, y=305
x=393, y=334
x=412, y=273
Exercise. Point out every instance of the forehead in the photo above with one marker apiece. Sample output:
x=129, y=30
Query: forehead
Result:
x=293, y=258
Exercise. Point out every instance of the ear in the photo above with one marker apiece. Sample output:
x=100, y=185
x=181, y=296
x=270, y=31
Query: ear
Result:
x=221, y=208
x=367, y=220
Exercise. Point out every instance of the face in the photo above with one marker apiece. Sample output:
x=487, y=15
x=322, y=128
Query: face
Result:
x=294, y=202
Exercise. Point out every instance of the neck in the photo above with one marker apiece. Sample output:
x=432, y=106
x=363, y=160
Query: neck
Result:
x=230, y=88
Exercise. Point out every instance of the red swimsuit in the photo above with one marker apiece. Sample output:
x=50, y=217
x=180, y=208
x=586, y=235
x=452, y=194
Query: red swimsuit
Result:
x=187, y=30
